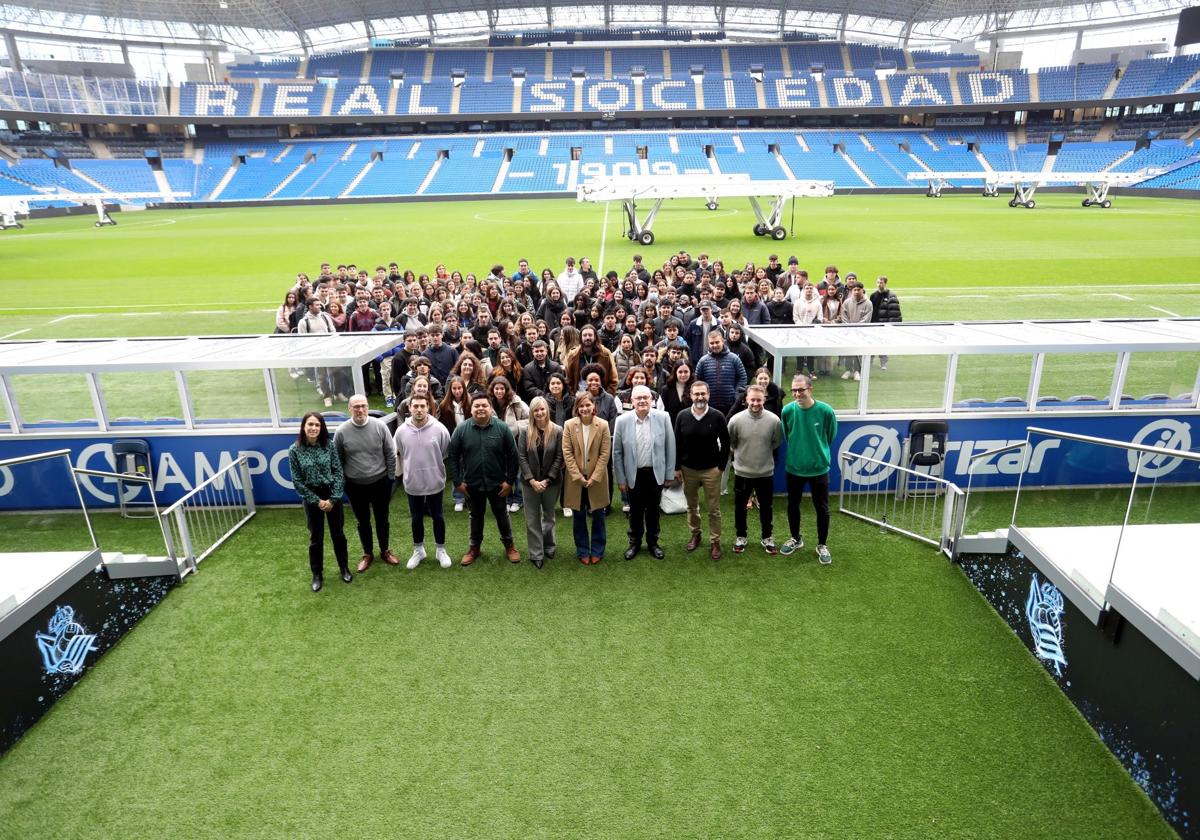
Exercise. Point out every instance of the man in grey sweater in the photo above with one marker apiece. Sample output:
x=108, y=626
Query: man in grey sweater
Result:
x=368, y=462
x=754, y=439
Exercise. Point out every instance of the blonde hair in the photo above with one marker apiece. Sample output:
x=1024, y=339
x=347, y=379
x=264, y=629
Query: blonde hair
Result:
x=536, y=435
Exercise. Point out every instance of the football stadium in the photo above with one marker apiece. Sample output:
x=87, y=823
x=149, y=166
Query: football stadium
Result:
x=476, y=419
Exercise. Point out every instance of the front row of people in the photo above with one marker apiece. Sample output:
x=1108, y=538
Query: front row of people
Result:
x=484, y=463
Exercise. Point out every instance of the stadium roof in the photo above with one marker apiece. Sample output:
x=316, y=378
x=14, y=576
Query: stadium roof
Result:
x=313, y=14
x=380, y=17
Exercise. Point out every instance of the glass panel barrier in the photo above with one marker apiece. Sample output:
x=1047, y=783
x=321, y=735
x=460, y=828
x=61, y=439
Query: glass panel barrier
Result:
x=300, y=390
x=829, y=387
x=992, y=383
x=909, y=383
x=58, y=399
x=1076, y=381
x=228, y=397
x=1160, y=379
x=142, y=398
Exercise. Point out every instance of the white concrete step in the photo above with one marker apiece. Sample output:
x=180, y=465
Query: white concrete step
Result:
x=120, y=566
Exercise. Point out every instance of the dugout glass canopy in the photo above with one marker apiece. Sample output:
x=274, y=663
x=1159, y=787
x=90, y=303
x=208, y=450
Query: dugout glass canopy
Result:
x=993, y=366
x=90, y=385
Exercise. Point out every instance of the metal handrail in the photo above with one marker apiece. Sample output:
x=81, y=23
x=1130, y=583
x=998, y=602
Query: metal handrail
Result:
x=240, y=462
x=40, y=456
x=65, y=454
x=952, y=513
x=135, y=479
x=973, y=459
x=1117, y=444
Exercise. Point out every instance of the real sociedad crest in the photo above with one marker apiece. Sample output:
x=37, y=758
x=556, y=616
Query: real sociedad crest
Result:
x=1044, y=611
x=67, y=644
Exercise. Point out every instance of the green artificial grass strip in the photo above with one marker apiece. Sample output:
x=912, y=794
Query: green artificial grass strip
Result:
x=756, y=696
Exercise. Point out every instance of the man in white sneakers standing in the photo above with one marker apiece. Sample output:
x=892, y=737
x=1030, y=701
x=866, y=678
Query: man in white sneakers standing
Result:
x=754, y=438
x=421, y=445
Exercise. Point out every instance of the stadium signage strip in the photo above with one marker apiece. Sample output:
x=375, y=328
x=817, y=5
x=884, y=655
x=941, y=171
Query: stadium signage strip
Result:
x=179, y=462
x=307, y=99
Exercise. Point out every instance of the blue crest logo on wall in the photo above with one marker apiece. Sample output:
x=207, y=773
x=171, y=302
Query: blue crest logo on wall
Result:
x=1044, y=611
x=66, y=644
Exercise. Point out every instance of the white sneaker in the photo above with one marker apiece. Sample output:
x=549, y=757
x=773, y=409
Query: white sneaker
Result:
x=791, y=545
x=458, y=507
x=328, y=402
x=417, y=556
x=823, y=555
x=857, y=376
x=624, y=508
x=513, y=507
x=443, y=558
x=567, y=512
x=847, y=375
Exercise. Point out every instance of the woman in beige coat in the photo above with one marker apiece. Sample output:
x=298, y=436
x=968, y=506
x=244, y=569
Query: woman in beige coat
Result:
x=587, y=445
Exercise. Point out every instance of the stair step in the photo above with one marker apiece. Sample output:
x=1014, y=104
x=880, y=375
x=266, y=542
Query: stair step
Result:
x=121, y=566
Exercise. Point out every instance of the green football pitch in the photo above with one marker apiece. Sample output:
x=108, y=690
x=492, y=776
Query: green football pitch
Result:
x=758, y=696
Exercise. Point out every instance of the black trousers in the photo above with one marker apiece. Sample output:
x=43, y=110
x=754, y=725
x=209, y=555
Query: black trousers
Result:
x=644, y=498
x=477, y=501
x=368, y=499
x=764, y=489
x=818, y=485
x=418, y=506
x=315, y=518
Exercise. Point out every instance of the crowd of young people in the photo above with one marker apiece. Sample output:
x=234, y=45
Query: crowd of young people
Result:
x=528, y=374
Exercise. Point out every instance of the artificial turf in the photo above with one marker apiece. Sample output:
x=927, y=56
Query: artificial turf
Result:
x=755, y=696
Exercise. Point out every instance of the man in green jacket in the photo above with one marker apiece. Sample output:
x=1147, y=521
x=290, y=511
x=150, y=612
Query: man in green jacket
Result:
x=809, y=427
x=483, y=467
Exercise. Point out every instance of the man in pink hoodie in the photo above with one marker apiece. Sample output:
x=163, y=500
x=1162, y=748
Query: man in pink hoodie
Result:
x=421, y=444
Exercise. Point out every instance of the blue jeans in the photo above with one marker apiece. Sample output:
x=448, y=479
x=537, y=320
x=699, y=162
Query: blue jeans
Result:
x=579, y=523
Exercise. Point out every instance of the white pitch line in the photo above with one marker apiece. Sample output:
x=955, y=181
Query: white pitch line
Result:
x=126, y=306
x=603, y=240
x=1165, y=311
x=18, y=332
x=1114, y=294
x=69, y=317
x=1069, y=286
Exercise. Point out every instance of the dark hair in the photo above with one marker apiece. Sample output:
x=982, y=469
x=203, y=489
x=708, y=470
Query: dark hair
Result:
x=322, y=437
x=478, y=396
x=599, y=370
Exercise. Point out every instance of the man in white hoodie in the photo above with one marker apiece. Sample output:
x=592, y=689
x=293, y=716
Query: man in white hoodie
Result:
x=421, y=444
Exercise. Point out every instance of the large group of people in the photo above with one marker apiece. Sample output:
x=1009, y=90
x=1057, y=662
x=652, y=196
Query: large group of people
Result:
x=560, y=390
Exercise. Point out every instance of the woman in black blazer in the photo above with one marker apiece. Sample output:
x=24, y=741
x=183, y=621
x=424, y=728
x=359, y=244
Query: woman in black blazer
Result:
x=676, y=393
x=540, y=460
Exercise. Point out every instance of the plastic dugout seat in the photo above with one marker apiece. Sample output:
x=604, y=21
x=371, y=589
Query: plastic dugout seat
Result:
x=924, y=452
x=131, y=456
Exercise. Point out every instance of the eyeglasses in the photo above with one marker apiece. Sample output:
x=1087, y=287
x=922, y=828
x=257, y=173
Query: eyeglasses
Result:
x=800, y=390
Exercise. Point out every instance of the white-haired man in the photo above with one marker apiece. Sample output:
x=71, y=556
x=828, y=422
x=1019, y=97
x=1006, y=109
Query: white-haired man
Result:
x=643, y=459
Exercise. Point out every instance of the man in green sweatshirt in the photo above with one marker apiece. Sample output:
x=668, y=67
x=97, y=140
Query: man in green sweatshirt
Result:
x=809, y=427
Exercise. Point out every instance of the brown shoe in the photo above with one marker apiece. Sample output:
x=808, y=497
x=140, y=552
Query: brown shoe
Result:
x=716, y=551
x=365, y=563
x=694, y=542
x=390, y=558
x=511, y=552
x=595, y=560
x=471, y=556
